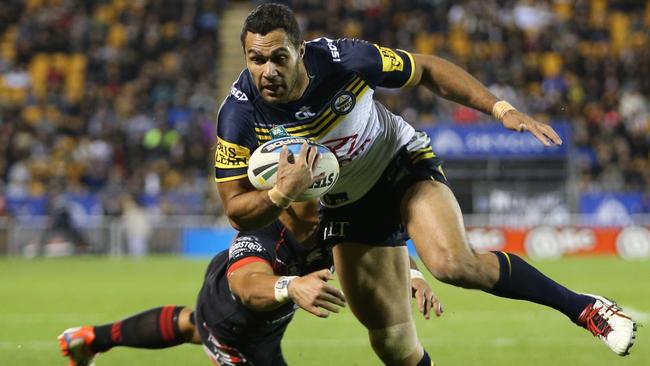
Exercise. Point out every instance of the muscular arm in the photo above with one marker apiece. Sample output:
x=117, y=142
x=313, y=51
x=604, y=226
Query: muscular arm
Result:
x=246, y=207
x=451, y=82
x=254, y=284
x=249, y=209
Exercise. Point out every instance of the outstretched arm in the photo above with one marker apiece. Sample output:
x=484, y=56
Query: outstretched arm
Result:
x=261, y=290
x=453, y=83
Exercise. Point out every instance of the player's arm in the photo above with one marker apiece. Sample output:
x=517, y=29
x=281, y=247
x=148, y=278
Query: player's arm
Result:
x=259, y=289
x=248, y=208
x=423, y=294
x=453, y=83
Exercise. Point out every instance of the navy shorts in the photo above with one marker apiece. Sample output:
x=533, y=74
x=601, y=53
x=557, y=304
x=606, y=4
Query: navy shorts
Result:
x=375, y=219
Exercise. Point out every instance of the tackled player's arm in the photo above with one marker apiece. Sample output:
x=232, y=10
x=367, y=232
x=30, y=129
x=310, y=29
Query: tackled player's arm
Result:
x=255, y=285
x=453, y=83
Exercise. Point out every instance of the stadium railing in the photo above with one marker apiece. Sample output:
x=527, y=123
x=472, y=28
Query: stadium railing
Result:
x=541, y=236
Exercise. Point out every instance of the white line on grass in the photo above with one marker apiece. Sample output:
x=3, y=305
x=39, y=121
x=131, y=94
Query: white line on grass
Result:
x=640, y=316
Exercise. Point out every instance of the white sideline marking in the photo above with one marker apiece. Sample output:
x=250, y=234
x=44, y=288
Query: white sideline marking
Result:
x=639, y=316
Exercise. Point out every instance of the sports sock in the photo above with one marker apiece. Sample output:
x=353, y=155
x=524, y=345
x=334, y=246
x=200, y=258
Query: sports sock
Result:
x=425, y=361
x=519, y=280
x=154, y=328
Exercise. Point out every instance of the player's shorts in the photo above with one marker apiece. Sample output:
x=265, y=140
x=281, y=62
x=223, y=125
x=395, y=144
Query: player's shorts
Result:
x=375, y=219
x=240, y=353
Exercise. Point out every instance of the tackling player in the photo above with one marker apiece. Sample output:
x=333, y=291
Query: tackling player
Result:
x=391, y=182
x=247, y=300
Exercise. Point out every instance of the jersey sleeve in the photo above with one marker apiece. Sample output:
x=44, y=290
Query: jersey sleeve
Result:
x=379, y=66
x=236, y=139
x=246, y=249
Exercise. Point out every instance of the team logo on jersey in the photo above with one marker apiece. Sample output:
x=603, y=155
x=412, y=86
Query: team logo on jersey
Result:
x=343, y=102
x=304, y=113
x=390, y=60
x=229, y=155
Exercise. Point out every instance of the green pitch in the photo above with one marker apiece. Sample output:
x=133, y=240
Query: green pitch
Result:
x=40, y=298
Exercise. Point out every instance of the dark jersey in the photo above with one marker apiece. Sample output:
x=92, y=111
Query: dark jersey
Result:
x=223, y=311
x=336, y=110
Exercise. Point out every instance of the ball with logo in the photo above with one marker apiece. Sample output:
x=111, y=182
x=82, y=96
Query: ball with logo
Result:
x=263, y=166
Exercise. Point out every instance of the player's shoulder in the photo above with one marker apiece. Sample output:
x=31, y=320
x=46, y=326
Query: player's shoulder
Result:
x=241, y=95
x=340, y=50
x=238, y=104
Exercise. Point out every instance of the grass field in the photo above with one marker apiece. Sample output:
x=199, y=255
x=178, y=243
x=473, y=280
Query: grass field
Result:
x=40, y=298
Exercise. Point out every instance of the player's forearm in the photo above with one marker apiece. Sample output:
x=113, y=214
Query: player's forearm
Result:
x=453, y=83
x=258, y=292
x=251, y=210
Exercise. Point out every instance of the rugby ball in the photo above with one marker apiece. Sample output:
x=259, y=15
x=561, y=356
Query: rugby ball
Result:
x=263, y=166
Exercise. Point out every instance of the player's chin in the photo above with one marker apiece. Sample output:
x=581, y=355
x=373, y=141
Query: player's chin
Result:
x=274, y=96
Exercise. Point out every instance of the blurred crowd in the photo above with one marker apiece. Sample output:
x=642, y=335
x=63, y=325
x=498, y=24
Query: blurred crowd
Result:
x=112, y=100
x=582, y=61
x=115, y=98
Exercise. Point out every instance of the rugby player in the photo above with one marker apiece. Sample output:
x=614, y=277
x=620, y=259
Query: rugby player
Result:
x=391, y=182
x=247, y=300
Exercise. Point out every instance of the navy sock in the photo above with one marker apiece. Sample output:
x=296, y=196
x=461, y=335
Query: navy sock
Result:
x=519, y=280
x=425, y=361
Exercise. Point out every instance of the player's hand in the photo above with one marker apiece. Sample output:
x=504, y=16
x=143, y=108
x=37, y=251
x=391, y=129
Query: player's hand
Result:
x=312, y=293
x=425, y=298
x=517, y=121
x=295, y=172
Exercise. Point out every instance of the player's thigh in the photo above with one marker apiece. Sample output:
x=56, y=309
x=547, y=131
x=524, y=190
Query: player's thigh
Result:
x=375, y=281
x=434, y=222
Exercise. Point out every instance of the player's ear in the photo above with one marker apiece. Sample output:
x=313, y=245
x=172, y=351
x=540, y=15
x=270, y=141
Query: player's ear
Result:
x=301, y=49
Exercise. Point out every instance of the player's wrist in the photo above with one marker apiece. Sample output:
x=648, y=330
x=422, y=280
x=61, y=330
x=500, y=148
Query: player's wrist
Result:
x=278, y=198
x=500, y=108
x=416, y=274
x=281, y=288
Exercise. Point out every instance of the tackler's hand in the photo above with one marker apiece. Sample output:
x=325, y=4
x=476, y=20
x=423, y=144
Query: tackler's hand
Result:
x=312, y=293
x=425, y=298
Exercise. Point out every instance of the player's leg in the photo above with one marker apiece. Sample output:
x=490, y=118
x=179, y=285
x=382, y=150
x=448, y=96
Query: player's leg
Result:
x=375, y=281
x=161, y=327
x=434, y=221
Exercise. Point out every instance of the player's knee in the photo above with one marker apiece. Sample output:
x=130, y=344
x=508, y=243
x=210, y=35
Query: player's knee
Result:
x=456, y=270
x=395, y=343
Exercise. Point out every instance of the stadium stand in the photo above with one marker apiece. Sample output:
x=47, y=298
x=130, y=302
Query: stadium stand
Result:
x=105, y=99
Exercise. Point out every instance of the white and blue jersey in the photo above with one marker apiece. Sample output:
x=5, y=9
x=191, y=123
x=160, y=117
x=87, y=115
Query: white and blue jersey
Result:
x=336, y=110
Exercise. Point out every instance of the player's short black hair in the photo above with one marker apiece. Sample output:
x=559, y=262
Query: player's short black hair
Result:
x=268, y=17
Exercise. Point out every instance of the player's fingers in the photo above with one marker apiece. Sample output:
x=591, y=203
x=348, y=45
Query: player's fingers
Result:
x=419, y=298
x=437, y=306
x=284, y=152
x=551, y=134
x=312, y=152
x=304, y=152
x=334, y=291
x=317, y=157
x=539, y=135
x=327, y=306
x=428, y=304
x=317, y=311
x=331, y=299
x=324, y=274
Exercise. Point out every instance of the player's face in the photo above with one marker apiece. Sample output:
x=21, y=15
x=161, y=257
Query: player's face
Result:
x=275, y=64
